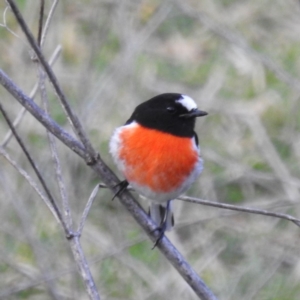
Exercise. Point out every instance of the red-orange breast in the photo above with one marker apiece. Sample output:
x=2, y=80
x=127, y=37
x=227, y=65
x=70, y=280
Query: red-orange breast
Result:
x=157, y=151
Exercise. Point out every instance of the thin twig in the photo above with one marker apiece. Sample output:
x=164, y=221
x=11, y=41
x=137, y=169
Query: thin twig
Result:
x=41, y=179
x=54, y=153
x=76, y=125
x=39, y=37
x=243, y=209
x=17, y=121
x=30, y=181
x=60, y=181
x=74, y=242
x=41, y=116
x=48, y=20
x=32, y=94
x=87, y=209
x=251, y=210
x=5, y=25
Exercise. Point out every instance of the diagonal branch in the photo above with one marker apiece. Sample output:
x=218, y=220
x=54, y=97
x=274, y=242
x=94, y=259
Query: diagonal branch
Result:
x=48, y=20
x=30, y=181
x=41, y=116
x=87, y=208
x=110, y=179
x=76, y=147
x=90, y=154
x=32, y=94
x=41, y=19
x=37, y=172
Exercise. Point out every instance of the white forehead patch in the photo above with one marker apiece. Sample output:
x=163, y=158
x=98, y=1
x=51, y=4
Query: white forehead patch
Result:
x=187, y=102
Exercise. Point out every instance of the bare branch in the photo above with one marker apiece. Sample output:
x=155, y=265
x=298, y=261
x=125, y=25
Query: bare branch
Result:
x=32, y=163
x=41, y=116
x=87, y=209
x=54, y=153
x=91, y=154
x=39, y=37
x=48, y=20
x=243, y=209
x=74, y=240
x=32, y=94
x=84, y=268
x=4, y=23
x=110, y=179
x=251, y=210
x=31, y=182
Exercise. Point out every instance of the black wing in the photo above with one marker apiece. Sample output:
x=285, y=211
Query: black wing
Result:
x=196, y=139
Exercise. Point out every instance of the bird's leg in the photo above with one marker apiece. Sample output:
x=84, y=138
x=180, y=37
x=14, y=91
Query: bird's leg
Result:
x=163, y=225
x=122, y=187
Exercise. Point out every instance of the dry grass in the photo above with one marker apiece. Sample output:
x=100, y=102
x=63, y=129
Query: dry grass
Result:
x=240, y=61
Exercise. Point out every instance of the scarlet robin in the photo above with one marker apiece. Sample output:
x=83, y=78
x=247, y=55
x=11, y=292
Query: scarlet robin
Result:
x=158, y=153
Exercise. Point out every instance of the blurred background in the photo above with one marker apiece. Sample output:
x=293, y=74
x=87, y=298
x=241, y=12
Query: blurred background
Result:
x=240, y=61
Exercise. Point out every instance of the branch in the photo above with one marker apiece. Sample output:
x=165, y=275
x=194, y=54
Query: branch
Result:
x=37, y=172
x=87, y=209
x=84, y=267
x=4, y=23
x=90, y=154
x=39, y=37
x=240, y=208
x=54, y=153
x=41, y=116
x=250, y=210
x=30, y=181
x=110, y=179
x=74, y=239
x=32, y=94
x=48, y=20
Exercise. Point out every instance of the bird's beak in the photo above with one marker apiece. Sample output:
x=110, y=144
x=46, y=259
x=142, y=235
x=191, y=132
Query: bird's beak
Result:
x=194, y=114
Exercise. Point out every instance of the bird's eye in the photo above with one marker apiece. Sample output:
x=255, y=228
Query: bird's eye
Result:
x=171, y=109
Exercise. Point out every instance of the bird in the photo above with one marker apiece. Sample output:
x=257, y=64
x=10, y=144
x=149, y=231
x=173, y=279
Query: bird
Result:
x=157, y=151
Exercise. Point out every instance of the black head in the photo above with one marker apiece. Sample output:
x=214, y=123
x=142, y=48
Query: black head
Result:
x=170, y=112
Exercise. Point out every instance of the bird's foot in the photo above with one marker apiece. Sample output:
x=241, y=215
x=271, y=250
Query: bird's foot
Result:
x=122, y=187
x=163, y=225
x=162, y=229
